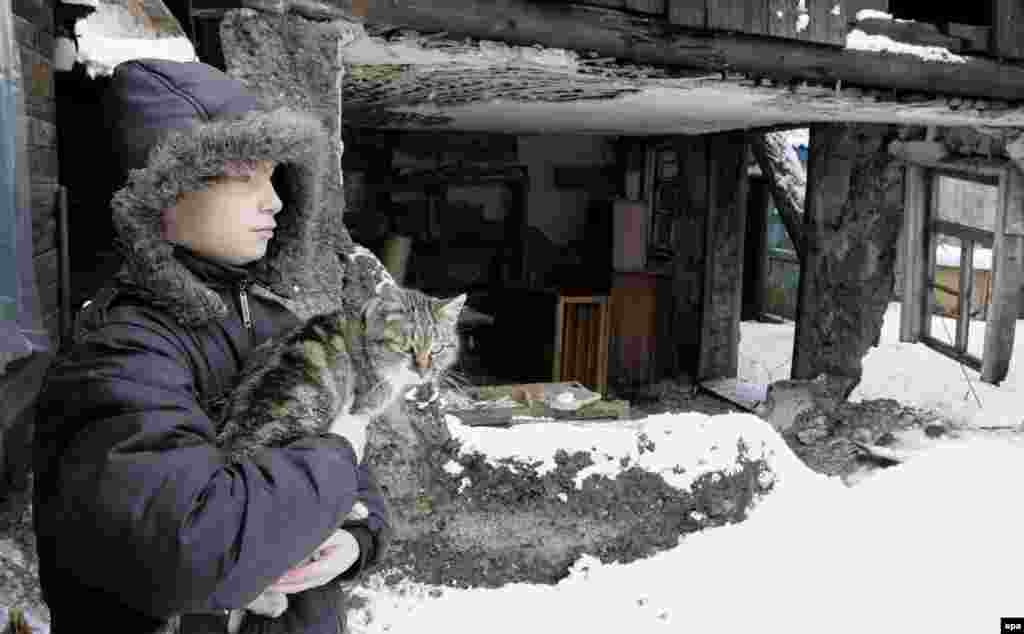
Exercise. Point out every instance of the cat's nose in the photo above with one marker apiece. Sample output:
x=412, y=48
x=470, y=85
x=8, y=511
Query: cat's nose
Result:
x=422, y=363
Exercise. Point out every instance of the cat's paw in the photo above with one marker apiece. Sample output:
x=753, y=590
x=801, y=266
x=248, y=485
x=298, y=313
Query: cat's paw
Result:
x=272, y=604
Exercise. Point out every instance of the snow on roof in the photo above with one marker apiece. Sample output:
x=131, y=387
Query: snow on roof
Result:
x=861, y=41
x=916, y=546
x=110, y=35
x=865, y=14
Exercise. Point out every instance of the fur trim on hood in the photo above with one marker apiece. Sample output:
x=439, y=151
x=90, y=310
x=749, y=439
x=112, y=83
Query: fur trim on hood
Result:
x=301, y=262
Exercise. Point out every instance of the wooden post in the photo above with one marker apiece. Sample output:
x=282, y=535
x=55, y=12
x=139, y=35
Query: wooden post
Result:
x=1007, y=278
x=915, y=210
x=723, y=264
x=966, y=289
x=689, y=263
x=1008, y=28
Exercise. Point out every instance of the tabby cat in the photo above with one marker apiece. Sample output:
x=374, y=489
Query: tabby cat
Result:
x=340, y=364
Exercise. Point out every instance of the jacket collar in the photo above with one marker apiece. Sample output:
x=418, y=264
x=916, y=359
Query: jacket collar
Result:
x=212, y=273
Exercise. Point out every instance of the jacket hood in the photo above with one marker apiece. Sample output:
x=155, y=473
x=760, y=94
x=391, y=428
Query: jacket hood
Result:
x=174, y=125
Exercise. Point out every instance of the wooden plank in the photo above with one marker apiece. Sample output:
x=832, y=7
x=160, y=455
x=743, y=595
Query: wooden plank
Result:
x=691, y=13
x=689, y=264
x=782, y=15
x=556, y=365
x=1008, y=28
x=743, y=16
x=603, y=342
x=821, y=21
x=611, y=4
x=835, y=23
x=723, y=271
x=741, y=393
x=915, y=200
x=653, y=40
x=966, y=290
x=656, y=7
x=539, y=413
x=1007, y=280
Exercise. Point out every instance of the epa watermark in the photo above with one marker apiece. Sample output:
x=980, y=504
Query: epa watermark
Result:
x=1012, y=624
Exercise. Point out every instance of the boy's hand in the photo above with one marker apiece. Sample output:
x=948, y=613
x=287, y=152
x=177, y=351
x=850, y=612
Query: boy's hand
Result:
x=335, y=556
x=353, y=428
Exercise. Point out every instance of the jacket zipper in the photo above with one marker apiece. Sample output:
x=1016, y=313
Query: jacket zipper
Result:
x=243, y=299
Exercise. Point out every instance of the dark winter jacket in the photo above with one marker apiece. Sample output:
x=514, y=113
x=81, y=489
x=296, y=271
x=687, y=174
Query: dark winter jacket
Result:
x=137, y=514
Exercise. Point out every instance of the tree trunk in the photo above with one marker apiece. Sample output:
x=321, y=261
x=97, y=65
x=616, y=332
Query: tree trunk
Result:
x=787, y=180
x=853, y=220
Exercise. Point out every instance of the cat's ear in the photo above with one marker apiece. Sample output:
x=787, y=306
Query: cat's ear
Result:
x=449, y=309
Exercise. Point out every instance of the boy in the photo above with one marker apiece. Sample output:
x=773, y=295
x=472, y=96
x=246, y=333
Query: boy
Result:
x=137, y=515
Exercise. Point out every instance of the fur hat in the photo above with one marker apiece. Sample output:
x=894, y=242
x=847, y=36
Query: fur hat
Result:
x=175, y=126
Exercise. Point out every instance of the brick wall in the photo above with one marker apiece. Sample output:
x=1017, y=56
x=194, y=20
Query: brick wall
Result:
x=34, y=29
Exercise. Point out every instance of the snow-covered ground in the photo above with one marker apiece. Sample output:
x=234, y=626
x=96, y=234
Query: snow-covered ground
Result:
x=929, y=546
x=913, y=374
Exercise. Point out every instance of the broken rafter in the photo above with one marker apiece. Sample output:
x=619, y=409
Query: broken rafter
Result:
x=654, y=40
x=788, y=181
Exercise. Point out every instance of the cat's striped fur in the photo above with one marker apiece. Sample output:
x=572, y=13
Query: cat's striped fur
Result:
x=340, y=364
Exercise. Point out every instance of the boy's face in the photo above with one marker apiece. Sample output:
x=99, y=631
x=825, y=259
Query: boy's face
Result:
x=231, y=221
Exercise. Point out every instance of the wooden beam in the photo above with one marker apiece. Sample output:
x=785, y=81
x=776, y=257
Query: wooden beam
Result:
x=655, y=40
x=915, y=202
x=1007, y=280
x=1008, y=28
x=723, y=262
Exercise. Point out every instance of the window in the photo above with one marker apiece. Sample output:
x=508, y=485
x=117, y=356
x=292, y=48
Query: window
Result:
x=962, y=234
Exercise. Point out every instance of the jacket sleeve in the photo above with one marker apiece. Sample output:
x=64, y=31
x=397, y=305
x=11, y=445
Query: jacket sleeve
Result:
x=373, y=533
x=141, y=503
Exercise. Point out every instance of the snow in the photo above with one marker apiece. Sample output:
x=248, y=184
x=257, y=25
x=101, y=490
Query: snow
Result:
x=797, y=137
x=110, y=35
x=865, y=14
x=910, y=373
x=861, y=41
x=949, y=255
x=929, y=546
x=686, y=446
